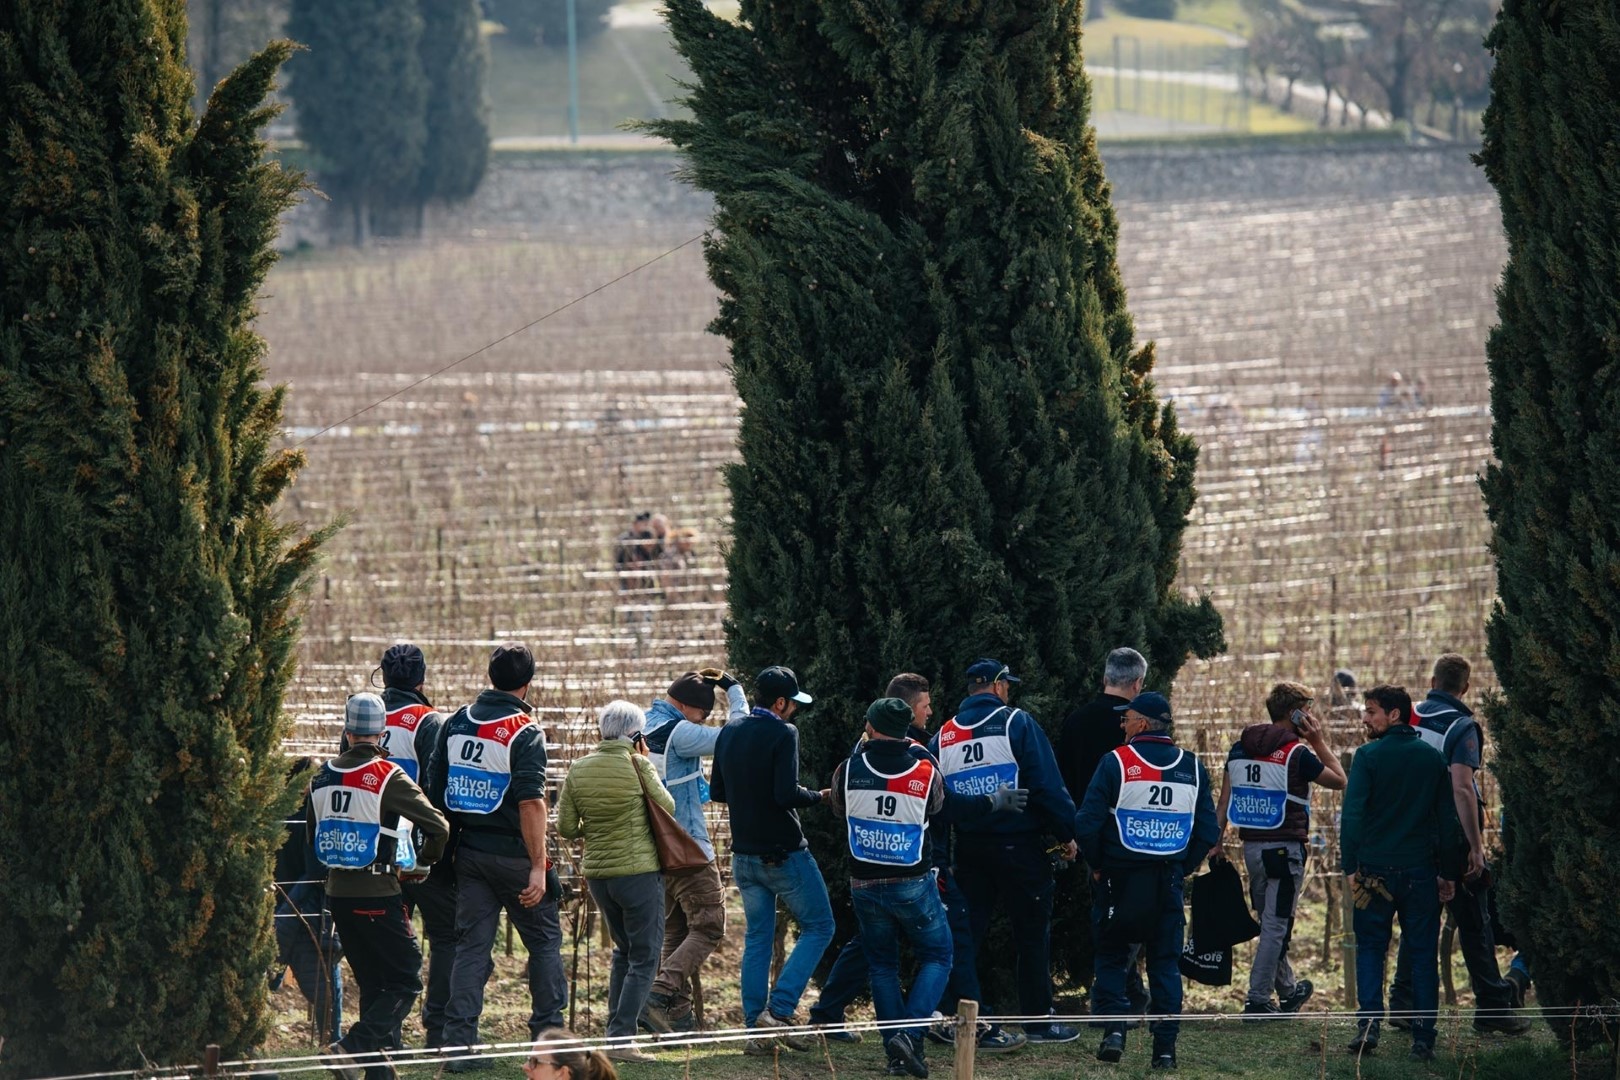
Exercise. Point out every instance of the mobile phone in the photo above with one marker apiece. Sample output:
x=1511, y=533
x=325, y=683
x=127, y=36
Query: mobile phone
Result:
x=1298, y=717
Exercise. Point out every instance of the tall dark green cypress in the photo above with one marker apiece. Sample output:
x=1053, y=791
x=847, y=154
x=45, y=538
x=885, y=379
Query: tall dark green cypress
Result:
x=146, y=586
x=1553, y=153
x=361, y=99
x=455, y=62
x=951, y=445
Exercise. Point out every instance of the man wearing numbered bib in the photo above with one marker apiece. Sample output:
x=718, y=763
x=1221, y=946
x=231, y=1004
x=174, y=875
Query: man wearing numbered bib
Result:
x=1002, y=858
x=1147, y=821
x=1267, y=795
x=356, y=802
x=410, y=732
x=489, y=774
x=887, y=795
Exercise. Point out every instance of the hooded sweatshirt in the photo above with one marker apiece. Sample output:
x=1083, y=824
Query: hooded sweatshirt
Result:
x=1279, y=742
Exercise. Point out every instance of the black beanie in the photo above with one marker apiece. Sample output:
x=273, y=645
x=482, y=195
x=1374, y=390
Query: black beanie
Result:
x=403, y=666
x=694, y=690
x=511, y=666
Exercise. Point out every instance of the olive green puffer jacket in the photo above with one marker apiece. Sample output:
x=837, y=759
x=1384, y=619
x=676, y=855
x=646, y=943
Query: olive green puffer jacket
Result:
x=601, y=801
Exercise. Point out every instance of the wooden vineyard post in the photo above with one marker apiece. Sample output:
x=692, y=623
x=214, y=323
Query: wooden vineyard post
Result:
x=1349, y=935
x=211, y=1061
x=1448, y=942
x=967, y=1038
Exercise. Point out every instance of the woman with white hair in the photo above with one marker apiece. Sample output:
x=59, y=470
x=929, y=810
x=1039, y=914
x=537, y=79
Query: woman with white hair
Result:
x=602, y=801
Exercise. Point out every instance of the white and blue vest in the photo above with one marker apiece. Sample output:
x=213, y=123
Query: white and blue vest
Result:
x=978, y=760
x=480, y=761
x=399, y=738
x=1259, y=787
x=349, y=830
x=887, y=814
x=1155, y=806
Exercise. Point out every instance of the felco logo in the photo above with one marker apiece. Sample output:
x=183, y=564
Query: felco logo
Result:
x=500, y=732
x=1133, y=771
x=370, y=780
x=949, y=736
x=917, y=787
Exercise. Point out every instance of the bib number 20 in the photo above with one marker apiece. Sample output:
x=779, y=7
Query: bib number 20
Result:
x=1160, y=795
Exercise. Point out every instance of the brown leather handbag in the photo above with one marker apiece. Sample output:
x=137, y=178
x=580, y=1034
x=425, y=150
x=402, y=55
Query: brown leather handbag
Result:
x=678, y=853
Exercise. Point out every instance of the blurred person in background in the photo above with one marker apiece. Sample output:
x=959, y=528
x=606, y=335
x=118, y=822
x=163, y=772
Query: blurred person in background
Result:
x=678, y=738
x=1002, y=859
x=410, y=732
x=756, y=774
x=1267, y=795
x=1398, y=846
x=489, y=775
x=1444, y=722
x=356, y=802
x=1147, y=821
x=604, y=803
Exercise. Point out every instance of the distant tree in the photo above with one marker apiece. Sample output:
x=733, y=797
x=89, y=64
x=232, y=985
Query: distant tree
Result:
x=224, y=33
x=1549, y=150
x=545, y=22
x=146, y=585
x=951, y=444
x=362, y=101
x=455, y=62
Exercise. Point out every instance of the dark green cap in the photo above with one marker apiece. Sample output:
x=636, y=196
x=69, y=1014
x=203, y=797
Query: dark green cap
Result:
x=889, y=716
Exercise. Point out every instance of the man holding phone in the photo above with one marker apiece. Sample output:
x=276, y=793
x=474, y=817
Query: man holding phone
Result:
x=1267, y=796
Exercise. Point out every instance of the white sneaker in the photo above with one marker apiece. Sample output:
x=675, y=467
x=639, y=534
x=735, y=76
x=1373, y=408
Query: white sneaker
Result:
x=631, y=1053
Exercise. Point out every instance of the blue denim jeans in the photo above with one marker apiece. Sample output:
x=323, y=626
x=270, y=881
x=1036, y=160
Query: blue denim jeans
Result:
x=795, y=881
x=848, y=979
x=1416, y=901
x=908, y=909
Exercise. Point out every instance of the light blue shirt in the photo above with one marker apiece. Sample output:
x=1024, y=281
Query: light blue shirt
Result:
x=687, y=745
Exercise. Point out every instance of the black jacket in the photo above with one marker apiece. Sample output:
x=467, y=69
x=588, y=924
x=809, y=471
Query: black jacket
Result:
x=756, y=774
x=1088, y=734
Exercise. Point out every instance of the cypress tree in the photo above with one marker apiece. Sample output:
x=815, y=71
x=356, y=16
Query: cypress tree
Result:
x=455, y=63
x=146, y=586
x=1550, y=150
x=361, y=97
x=951, y=445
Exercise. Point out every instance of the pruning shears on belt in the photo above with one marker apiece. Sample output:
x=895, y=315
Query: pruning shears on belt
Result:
x=1364, y=886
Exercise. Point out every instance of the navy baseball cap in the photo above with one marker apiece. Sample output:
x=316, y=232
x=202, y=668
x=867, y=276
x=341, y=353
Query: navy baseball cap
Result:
x=990, y=671
x=1151, y=705
x=779, y=682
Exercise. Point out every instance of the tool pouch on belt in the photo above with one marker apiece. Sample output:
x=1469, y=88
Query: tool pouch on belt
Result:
x=1134, y=900
x=1275, y=863
x=1366, y=887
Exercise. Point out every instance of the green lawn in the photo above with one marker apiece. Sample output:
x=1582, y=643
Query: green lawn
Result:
x=1278, y=1051
x=624, y=74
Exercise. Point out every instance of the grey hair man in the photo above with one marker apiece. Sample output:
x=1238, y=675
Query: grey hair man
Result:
x=1093, y=730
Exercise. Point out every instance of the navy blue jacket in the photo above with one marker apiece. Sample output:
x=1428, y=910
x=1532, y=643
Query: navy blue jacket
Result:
x=1095, y=828
x=1050, y=808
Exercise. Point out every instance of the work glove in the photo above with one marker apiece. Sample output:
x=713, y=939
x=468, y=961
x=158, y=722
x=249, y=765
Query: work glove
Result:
x=720, y=678
x=1007, y=797
x=1365, y=888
